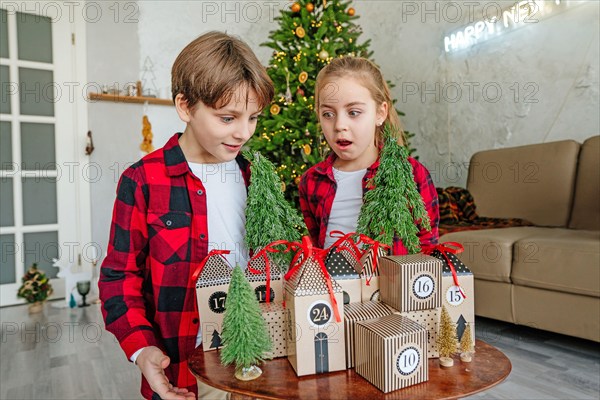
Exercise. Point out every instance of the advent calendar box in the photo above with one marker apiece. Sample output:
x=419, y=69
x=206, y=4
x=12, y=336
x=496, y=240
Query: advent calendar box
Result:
x=256, y=272
x=391, y=352
x=369, y=273
x=430, y=320
x=359, y=312
x=211, y=293
x=411, y=282
x=458, y=292
x=342, y=263
x=315, y=317
x=274, y=316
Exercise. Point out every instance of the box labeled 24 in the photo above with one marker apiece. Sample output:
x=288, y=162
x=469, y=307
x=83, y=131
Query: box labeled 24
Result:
x=315, y=335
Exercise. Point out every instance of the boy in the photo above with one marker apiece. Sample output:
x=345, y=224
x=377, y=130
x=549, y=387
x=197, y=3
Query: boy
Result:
x=174, y=203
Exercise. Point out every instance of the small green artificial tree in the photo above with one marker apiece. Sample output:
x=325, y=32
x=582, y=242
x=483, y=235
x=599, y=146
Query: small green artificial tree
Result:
x=269, y=217
x=244, y=336
x=35, y=285
x=394, y=207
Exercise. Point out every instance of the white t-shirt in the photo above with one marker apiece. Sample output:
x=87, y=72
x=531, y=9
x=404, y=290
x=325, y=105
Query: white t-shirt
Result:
x=346, y=204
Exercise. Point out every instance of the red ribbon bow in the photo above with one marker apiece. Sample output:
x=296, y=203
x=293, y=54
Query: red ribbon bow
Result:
x=200, y=267
x=375, y=245
x=444, y=248
x=270, y=248
x=346, y=242
x=307, y=250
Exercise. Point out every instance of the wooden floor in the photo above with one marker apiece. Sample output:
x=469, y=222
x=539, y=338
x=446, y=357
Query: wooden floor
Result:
x=65, y=354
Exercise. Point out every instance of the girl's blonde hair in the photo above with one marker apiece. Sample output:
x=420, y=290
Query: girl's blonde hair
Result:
x=369, y=75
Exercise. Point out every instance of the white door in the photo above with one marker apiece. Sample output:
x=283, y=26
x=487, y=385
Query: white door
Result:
x=43, y=212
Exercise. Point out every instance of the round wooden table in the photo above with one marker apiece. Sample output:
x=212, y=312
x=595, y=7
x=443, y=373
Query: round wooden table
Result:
x=279, y=381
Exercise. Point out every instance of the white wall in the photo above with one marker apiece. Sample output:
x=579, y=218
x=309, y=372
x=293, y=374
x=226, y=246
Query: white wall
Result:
x=556, y=57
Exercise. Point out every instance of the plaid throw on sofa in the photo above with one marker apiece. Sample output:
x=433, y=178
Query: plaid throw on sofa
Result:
x=458, y=213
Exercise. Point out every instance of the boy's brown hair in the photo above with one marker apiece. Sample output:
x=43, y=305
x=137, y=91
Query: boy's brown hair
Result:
x=213, y=66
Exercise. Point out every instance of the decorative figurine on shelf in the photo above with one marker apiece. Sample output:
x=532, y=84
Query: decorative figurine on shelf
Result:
x=146, y=145
x=245, y=337
x=466, y=345
x=36, y=288
x=447, y=341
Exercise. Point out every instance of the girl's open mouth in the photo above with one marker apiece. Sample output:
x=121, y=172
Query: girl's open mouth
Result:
x=342, y=143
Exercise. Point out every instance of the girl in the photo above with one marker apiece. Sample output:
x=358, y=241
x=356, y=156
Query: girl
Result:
x=353, y=103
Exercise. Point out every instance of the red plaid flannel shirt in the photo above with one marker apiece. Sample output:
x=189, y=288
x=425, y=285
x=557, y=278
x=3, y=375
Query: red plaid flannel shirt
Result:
x=317, y=191
x=158, y=236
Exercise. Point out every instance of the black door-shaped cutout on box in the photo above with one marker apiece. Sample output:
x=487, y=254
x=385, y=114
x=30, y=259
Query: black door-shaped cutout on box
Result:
x=321, y=353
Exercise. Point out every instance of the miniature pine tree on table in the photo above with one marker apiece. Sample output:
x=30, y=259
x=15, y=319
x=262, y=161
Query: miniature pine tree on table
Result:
x=245, y=336
x=466, y=345
x=269, y=217
x=310, y=35
x=447, y=341
x=395, y=206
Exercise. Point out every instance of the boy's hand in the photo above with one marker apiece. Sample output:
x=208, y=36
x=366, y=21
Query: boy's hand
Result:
x=152, y=362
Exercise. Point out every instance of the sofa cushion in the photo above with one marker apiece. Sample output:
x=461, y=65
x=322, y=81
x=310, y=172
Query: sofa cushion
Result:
x=586, y=203
x=533, y=182
x=559, y=259
x=489, y=252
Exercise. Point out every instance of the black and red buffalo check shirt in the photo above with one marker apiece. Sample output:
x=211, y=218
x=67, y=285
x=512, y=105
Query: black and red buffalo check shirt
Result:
x=158, y=236
x=317, y=190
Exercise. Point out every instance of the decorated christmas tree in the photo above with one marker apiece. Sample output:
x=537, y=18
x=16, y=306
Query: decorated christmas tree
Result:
x=394, y=207
x=447, y=341
x=310, y=35
x=244, y=336
x=269, y=217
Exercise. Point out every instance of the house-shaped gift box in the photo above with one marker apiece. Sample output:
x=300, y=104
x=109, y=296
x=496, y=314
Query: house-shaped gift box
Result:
x=343, y=264
x=264, y=275
x=315, y=312
x=457, y=287
x=212, y=283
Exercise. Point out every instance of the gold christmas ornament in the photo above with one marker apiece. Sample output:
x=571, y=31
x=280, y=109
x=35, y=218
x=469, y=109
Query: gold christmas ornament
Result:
x=351, y=11
x=275, y=109
x=283, y=186
x=310, y=7
x=303, y=76
x=295, y=7
x=297, y=180
x=307, y=149
x=300, y=32
x=323, y=55
x=146, y=145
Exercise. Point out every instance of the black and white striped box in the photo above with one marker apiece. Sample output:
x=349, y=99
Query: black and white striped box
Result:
x=355, y=312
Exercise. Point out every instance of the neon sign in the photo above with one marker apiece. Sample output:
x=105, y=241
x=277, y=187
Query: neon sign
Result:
x=496, y=21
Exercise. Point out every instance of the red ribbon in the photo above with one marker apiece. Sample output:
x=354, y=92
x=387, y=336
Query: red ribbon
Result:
x=444, y=248
x=307, y=250
x=200, y=267
x=270, y=248
x=345, y=242
x=375, y=245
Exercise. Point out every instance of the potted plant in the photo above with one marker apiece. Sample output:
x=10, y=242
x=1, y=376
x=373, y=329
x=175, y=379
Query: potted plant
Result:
x=35, y=288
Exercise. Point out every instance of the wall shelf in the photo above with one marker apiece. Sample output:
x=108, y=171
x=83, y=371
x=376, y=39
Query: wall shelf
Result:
x=119, y=98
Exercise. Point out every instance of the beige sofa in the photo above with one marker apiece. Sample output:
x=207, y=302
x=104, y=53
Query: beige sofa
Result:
x=545, y=276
